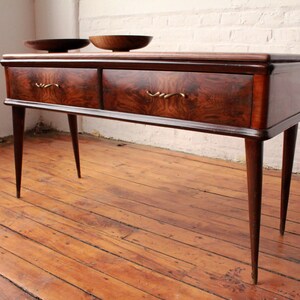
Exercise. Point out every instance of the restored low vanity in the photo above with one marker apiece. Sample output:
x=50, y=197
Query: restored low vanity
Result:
x=252, y=96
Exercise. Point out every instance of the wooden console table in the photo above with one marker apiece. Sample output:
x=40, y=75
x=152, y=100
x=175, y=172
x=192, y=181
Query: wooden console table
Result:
x=252, y=96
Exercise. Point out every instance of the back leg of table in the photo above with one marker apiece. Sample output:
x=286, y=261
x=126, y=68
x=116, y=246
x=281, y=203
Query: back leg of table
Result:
x=289, y=143
x=74, y=134
x=18, y=114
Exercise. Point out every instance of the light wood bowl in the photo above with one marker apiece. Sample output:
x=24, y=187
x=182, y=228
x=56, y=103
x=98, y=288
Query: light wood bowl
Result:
x=120, y=42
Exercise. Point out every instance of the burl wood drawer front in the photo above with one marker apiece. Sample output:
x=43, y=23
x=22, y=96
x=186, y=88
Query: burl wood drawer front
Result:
x=204, y=97
x=75, y=87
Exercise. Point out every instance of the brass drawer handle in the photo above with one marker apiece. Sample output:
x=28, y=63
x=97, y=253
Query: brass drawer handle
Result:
x=46, y=85
x=164, y=95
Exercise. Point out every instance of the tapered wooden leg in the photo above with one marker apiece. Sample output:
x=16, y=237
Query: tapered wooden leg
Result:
x=289, y=142
x=74, y=134
x=18, y=130
x=254, y=158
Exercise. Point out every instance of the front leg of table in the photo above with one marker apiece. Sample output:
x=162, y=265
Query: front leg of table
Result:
x=18, y=114
x=289, y=142
x=254, y=159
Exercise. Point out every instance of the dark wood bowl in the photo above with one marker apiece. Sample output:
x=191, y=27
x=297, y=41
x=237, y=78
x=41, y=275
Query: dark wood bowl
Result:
x=57, y=45
x=120, y=42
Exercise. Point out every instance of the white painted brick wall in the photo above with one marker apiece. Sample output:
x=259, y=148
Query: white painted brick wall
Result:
x=260, y=25
x=228, y=25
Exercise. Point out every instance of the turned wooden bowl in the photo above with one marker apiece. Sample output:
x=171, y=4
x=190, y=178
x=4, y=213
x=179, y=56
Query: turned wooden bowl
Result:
x=57, y=45
x=120, y=42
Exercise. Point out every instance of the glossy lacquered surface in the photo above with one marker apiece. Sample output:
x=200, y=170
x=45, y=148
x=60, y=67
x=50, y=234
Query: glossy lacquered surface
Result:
x=75, y=87
x=253, y=96
x=205, y=97
x=245, y=58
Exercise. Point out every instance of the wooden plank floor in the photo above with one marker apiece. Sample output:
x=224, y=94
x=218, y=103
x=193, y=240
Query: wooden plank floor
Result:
x=142, y=223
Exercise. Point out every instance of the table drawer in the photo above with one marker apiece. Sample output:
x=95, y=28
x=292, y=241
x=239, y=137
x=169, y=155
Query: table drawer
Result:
x=68, y=86
x=205, y=97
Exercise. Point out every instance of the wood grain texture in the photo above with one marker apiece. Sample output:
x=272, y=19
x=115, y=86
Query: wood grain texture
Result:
x=262, y=134
x=9, y=291
x=178, y=56
x=32, y=278
x=143, y=221
x=254, y=161
x=57, y=45
x=275, y=85
x=120, y=42
x=18, y=116
x=259, y=114
x=284, y=94
x=213, y=98
x=202, y=97
x=289, y=144
x=77, y=87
